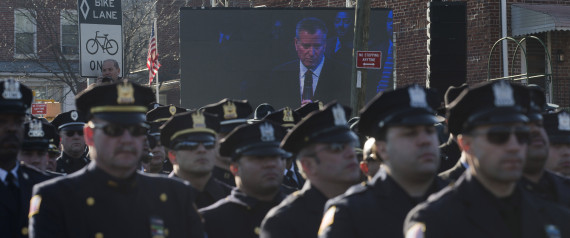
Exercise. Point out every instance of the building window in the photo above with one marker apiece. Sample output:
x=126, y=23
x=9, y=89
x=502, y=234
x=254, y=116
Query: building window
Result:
x=69, y=39
x=25, y=33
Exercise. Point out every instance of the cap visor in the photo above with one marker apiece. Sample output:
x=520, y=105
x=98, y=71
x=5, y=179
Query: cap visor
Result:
x=419, y=119
x=72, y=128
x=267, y=151
x=342, y=136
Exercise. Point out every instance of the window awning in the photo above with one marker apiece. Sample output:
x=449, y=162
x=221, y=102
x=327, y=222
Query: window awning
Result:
x=527, y=19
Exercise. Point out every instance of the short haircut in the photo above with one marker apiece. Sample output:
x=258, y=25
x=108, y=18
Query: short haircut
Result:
x=115, y=63
x=311, y=25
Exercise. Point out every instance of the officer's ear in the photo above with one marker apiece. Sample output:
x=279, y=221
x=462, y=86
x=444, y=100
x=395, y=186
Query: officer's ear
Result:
x=464, y=143
x=88, y=135
x=381, y=149
x=172, y=157
x=234, y=168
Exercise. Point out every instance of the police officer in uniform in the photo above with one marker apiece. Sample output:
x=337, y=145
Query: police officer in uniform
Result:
x=402, y=123
x=257, y=163
x=74, y=155
x=287, y=118
x=109, y=197
x=191, y=141
x=34, y=151
x=490, y=122
x=16, y=180
x=231, y=113
x=324, y=145
x=536, y=180
x=557, y=126
x=156, y=118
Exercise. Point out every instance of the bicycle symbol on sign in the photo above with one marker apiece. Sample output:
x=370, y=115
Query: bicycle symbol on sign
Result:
x=111, y=46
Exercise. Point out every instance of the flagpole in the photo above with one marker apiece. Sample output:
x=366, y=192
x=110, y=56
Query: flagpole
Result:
x=156, y=35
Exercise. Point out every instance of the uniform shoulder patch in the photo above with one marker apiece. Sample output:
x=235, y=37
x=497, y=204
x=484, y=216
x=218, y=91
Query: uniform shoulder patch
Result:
x=328, y=219
x=35, y=205
x=416, y=231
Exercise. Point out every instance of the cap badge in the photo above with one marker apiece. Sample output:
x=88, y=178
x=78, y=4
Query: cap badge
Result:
x=267, y=132
x=339, y=115
x=74, y=115
x=230, y=110
x=36, y=129
x=417, y=96
x=125, y=93
x=288, y=115
x=11, y=89
x=503, y=93
x=172, y=110
x=564, y=121
x=198, y=120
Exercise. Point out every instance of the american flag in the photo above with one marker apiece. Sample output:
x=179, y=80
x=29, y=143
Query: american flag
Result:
x=152, y=60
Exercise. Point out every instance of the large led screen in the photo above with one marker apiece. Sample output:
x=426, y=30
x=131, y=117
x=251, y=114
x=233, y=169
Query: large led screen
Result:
x=273, y=55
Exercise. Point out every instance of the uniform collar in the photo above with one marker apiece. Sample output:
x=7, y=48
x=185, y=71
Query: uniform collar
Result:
x=125, y=184
x=13, y=171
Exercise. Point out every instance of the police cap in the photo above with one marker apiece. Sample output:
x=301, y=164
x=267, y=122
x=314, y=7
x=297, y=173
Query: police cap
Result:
x=38, y=135
x=285, y=117
x=15, y=98
x=557, y=126
x=304, y=110
x=231, y=113
x=325, y=126
x=411, y=105
x=71, y=120
x=121, y=102
x=259, y=139
x=194, y=126
x=488, y=103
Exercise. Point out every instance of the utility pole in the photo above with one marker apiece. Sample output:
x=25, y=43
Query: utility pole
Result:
x=358, y=79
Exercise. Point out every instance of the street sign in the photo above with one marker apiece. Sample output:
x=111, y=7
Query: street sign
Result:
x=100, y=35
x=369, y=59
x=39, y=108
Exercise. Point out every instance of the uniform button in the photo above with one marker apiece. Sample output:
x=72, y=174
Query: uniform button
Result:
x=166, y=232
x=98, y=235
x=25, y=231
x=163, y=197
x=257, y=231
x=90, y=201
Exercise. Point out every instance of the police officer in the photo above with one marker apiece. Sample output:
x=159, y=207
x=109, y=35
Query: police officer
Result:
x=73, y=150
x=324, y=145
x=156, y=117
x=16, y=180
x=287, y=118
x=231, y=113
x=257, y=163
x=191, y=141
x=536, y=180
x=109, y=198
x=402, y=123
x=490, y=122
x=557, y=126
x=34, y=151
x=453, y=158
x=53, y=152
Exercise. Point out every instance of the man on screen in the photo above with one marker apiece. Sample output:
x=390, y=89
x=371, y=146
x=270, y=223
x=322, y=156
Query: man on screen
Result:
x=311, y=76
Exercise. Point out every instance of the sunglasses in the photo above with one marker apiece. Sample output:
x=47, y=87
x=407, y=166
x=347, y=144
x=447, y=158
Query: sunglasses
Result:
x=192, y=146
x=72, y=133
x=115, y=130
x=499, y=135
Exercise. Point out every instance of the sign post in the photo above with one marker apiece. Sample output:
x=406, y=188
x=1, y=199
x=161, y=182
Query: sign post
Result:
x=100, y=35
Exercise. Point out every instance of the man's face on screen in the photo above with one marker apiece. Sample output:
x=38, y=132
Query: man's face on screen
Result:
x=310, y=47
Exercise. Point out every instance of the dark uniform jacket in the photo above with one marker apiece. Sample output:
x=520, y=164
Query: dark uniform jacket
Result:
x=453, y=174
x=213, y=191
x=14, y=213
x=467, y=209
x=91, y=203
x=550, y=187
x=450, y=154
x=238, y=215
x=224, y=176
x=68, y=165
x=299, y=215
x=378, y=208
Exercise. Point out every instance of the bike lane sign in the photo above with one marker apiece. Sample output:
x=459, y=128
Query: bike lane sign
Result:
x=100, y=35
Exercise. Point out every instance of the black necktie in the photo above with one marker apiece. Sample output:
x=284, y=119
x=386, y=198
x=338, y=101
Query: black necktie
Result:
x=308, y=86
